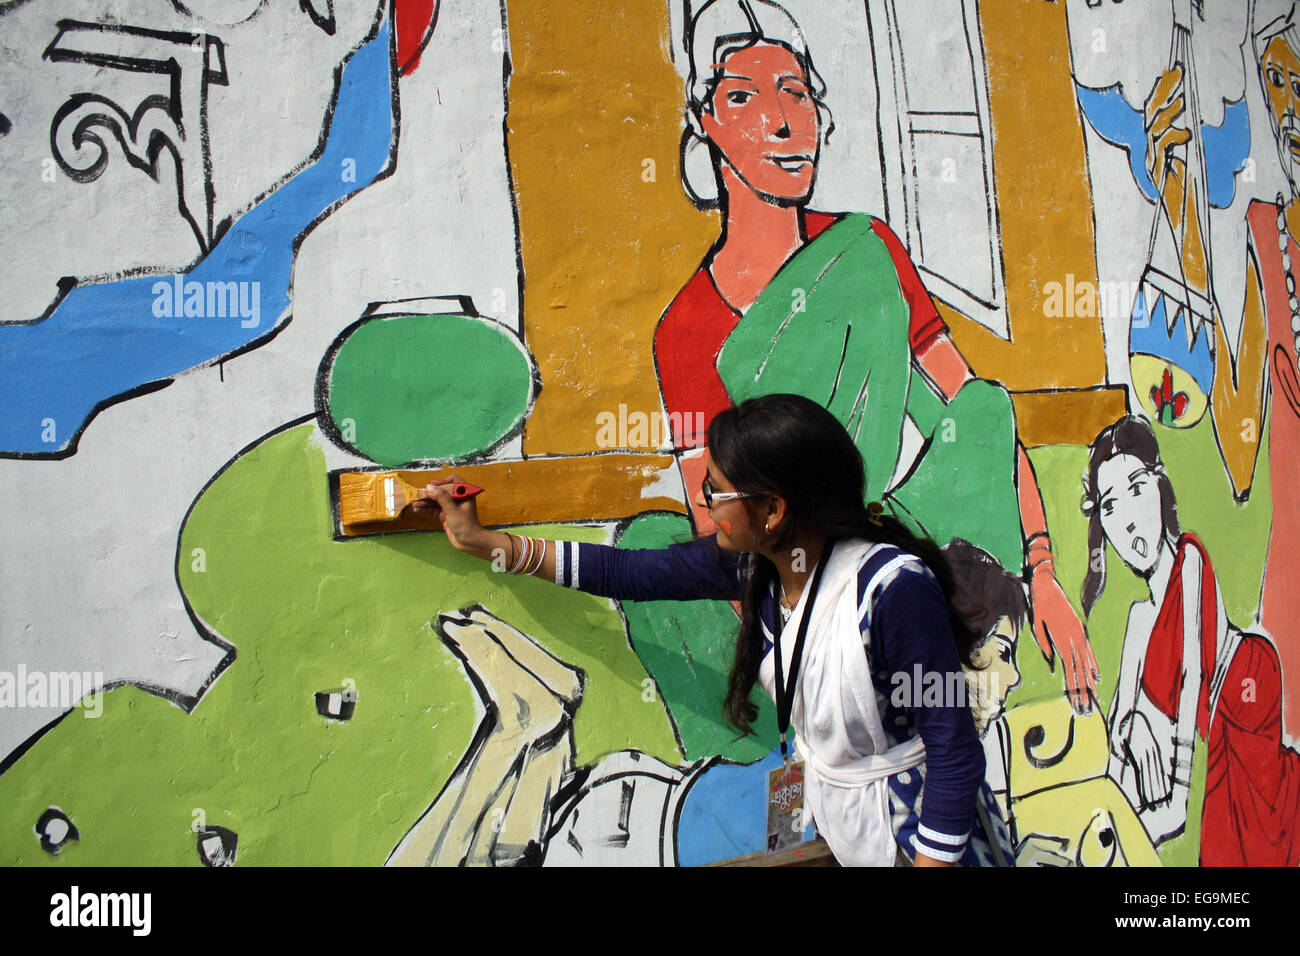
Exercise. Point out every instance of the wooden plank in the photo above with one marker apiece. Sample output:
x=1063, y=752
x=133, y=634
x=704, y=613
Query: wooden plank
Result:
x=592, y=488
x=815, y=853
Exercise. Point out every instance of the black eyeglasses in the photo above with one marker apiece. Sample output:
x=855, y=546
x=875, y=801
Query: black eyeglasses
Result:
x=710, y=496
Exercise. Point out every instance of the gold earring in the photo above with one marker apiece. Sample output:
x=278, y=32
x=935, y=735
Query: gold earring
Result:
x=766, y=527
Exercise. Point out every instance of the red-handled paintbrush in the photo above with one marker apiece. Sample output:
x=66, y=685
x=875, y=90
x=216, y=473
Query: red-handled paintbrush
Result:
x=369, y=496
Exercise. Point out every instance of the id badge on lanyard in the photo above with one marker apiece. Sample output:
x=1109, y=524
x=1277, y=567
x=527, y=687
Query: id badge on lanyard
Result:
x=785, y=783
x=784, y=806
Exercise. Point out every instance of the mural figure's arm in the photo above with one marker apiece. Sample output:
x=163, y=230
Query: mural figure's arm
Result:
x=1180, y=199
x=1056, y=626
x=1237, y=393
x=1136, y=764
x=495, y=808
x=1180, y=765
x=1125, y=698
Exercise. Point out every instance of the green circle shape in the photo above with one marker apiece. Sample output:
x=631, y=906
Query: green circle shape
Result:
x=444, y=388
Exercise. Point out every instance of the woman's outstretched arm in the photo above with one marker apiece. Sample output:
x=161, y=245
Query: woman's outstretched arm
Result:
x=690, y=571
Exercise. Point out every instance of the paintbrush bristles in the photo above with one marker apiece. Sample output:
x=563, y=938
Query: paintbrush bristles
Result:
x=368, y=497
x=374, y=496
x=403, y=493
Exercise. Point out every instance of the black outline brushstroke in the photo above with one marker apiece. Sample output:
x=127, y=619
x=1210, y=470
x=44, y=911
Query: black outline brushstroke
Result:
x=328, y=23
x=1036, y=736
x=182, y=8
x=113, y=118
x=48, y=845
x=229, y=845
x=213, y=73
x=507, y=68
x=567, y=800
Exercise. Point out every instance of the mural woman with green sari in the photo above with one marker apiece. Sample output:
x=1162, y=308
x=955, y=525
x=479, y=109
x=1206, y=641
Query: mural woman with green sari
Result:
x=831, y=307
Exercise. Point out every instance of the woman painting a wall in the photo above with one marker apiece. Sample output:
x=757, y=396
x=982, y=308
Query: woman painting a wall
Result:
x=831, y=307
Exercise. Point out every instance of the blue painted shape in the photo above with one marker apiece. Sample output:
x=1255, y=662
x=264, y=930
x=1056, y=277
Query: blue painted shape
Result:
x=1226, y=145
x=1120, y=125
x=725, y=812
x=1152, y=337
x=105, y=341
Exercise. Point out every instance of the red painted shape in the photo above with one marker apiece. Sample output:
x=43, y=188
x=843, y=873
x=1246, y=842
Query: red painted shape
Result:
x=414, y=20
x=697, y=323
x=725, y=525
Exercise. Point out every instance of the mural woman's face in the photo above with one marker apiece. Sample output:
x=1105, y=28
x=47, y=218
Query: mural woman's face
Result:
x=994, y=676
x=1129, y=504
x=765, y=122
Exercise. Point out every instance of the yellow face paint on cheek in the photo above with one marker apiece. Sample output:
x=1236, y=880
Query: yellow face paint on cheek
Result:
x=725, y=525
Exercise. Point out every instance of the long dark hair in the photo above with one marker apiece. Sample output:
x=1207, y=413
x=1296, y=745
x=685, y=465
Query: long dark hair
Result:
x=1128, y=436
x=790, y=446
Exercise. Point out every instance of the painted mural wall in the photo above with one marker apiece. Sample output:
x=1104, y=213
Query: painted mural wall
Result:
x=253, y=248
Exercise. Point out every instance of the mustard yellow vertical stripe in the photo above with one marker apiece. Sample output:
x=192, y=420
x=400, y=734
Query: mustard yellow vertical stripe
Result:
x=607, y=234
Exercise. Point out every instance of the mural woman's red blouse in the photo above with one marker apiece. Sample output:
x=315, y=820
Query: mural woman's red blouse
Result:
x=698, y=322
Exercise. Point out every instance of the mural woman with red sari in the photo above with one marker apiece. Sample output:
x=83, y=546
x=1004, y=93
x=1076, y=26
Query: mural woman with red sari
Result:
x=1187, y=672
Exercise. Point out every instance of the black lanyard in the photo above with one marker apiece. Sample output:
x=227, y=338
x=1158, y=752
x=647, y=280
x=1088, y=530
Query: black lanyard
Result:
x=784, y=691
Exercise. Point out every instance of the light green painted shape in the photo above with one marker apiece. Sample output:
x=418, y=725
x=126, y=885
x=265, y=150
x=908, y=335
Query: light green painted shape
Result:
x=400, y=390
x=306, y=613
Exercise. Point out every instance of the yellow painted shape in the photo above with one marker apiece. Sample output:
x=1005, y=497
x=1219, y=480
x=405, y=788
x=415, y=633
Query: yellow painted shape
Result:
x=545, y=490
x=1148, y=372
x=1067, y=416
x=1044, y=205
x=1086, y=757
x=606, y=233
x=1069, y=812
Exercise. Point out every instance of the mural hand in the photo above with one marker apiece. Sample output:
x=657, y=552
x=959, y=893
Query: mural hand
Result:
x=1163, y=108
x=1118, y=737
x=1056, y=626
x=1144, y=754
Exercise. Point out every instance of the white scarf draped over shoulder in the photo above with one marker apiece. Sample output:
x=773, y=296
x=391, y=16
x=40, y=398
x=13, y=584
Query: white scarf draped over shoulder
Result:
x=839, y=736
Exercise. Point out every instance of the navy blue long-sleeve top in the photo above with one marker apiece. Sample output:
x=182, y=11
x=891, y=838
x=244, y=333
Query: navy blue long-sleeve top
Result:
x=909, y=639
